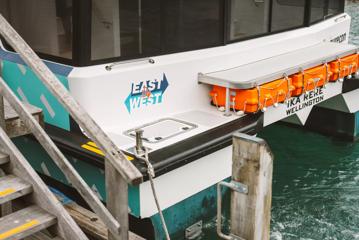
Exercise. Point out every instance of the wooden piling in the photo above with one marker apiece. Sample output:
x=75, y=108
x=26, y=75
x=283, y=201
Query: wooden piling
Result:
x=253, y=167
x=117, y=200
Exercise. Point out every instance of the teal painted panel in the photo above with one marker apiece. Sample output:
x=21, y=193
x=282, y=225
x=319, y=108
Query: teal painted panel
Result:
x=28, y=87
x=38, y=158
x=93, y=176
x=201, y=206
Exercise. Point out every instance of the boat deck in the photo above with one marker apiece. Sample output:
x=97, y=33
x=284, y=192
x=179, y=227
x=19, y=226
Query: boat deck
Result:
x=267, y=70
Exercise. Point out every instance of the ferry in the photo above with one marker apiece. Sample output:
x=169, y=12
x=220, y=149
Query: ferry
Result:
x=181, y=76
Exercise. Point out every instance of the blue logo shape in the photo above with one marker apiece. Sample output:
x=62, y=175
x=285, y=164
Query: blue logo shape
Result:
x=146, y=93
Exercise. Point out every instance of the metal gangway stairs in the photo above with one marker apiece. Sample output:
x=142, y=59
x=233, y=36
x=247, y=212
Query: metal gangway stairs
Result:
x=27, y=205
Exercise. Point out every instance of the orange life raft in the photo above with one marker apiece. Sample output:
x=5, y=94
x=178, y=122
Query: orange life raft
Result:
x=344, y=67
x=310, y=79
x=255, y=99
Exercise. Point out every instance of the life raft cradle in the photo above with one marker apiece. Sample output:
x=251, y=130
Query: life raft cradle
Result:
x=281, y=77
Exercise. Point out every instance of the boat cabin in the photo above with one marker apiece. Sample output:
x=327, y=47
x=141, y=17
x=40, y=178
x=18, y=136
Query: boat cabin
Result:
x=188, y=73
x=89, y=32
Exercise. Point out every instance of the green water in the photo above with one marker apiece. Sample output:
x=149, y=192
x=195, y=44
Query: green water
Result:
x=315, y=179
x=353, y=10
x=315, y=185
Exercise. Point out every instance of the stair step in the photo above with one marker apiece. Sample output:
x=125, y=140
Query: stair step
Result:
x=42, y=236
x=4, y=158
x=14, y=126
x=12, y=187
x=24, y=223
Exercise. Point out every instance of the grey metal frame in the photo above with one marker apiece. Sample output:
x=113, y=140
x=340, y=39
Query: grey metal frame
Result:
x=234, y=186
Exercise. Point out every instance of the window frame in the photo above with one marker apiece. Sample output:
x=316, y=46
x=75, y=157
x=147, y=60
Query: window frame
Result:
x=228, y=25
x=82, y=33
x=270, y=32
x=225, y=12
x=81, y=37
x=82, y=28
x=309, y=11
x=222, y=17
x=53, y=58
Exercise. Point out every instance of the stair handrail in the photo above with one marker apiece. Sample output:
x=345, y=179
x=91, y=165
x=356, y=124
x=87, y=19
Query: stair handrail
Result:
x=42, y=195
x=114, y=158
x=61, y=161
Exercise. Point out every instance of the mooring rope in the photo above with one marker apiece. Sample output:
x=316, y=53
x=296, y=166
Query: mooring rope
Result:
x=151, y=175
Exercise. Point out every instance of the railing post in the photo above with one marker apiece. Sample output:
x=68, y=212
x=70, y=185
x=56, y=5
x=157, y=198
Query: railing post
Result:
x=253, y=167
x=117, y=200
x=2, y=109
x=5, y=208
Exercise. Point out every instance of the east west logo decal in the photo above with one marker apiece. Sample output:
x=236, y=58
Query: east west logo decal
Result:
x=146, y=93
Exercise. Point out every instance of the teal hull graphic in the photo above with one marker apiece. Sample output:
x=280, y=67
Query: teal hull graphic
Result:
x=29, y=88
x=201, y=206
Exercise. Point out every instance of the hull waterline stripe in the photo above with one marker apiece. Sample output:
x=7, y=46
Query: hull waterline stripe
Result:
x=92, y=147
x=92, y=144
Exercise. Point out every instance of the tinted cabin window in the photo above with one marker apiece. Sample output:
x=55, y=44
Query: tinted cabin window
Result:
x=248, y=18
x=323, y=9
x=106, y=38
x=125, y=28
x=334, y=7
x=128, y=28
x=287, y=14
x=191, y=24
x=46, y=25
x=317, y=11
